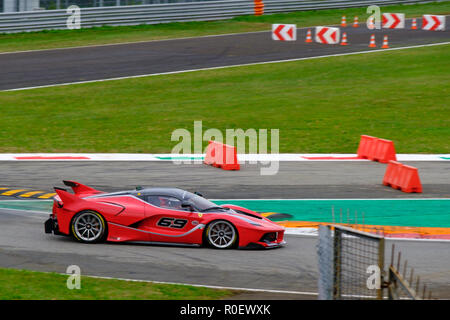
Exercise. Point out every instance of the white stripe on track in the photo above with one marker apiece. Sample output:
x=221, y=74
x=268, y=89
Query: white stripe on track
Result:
x=312, y=232
x=24, y=212
x=329, y=199
x=221, y=287
x=198, y=158
x=210, y=286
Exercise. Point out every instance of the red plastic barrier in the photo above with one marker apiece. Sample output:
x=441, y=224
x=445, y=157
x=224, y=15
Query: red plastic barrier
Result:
x=392, y=173
x=376, y=149
x=221, y=156
x=384, y=151
x=366, y=145
x=402, y=177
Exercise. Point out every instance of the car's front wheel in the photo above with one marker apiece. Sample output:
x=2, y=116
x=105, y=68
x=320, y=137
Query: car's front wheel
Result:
x=89, y=227
x=221, y=234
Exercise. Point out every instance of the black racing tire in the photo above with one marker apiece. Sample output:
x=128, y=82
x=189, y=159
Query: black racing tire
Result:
x=89, y=226
x=221, y=234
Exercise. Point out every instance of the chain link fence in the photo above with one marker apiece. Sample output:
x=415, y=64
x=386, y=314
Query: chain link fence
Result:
x=350, y=264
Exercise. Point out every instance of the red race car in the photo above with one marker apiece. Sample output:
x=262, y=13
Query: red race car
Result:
x=158, y=215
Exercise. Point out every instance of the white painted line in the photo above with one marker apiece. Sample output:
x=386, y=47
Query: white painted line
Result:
x=330, y=199
x=198, y=158
x=312, y=232
x=206, y=286
x=23, y=212
x=22, y=200
x=229, y=66
x=414, y=239
x=211, y=286
x=190, y=284
x=219, y=287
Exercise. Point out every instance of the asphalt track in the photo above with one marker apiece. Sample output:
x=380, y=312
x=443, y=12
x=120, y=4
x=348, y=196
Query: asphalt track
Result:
x=49, y=67
x=295, y=180
x=24, y=245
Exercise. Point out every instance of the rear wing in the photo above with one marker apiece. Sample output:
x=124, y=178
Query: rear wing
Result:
x=65, y=198
x=81, y=190
x=75, y=203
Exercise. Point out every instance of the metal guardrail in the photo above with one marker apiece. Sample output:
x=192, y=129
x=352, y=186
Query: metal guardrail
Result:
x=62, y=4
x=276, y=6
x=170, y=12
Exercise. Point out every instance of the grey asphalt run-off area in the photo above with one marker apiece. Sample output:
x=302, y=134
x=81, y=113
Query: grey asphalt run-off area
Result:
x=294, y=180
x=24, y=245
x=49, y=67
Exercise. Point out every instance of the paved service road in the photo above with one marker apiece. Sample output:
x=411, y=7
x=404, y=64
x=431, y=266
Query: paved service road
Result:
x=49, y=67
x=24, y=245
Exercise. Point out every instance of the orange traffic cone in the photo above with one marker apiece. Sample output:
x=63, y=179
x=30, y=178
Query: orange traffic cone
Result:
x=344, y=39
x=414, y=24
x=372, y=41
x=344, y=21
x=308, y=36
x=371, y=24
x=355, y=22
x=385, y=43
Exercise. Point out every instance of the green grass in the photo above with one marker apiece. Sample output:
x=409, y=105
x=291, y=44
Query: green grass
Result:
x=103, y=35
x=31, y=285
x=320, y=105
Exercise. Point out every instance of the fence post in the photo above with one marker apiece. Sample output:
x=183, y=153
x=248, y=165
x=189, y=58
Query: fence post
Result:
x=325, y=259
x=381, y=266
x=337, y=270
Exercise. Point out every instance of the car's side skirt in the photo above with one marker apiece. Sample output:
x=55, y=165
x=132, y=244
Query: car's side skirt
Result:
x=172, y=244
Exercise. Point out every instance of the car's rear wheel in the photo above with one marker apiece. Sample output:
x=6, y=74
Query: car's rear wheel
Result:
x=221, y=234
x=89, y=227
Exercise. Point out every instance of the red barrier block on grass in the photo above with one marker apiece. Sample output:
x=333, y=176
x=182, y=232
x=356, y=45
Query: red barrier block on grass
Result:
x=376, y=149
x=221, y=156
x=402, y=177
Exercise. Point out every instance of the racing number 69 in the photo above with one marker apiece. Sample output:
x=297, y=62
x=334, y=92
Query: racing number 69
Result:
x=172, y=222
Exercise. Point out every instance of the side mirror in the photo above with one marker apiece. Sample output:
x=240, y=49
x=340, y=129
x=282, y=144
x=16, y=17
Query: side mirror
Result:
x=187, y=205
